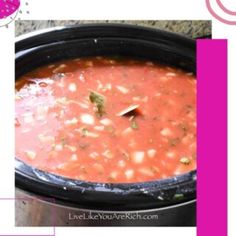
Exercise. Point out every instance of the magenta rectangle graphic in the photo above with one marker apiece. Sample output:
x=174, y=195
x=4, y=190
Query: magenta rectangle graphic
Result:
x=212, y=137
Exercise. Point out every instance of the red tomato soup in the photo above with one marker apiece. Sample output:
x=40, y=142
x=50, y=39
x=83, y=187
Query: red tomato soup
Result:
x=107, y=120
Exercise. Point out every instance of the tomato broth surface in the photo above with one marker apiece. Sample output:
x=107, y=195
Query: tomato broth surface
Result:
x=107, y=120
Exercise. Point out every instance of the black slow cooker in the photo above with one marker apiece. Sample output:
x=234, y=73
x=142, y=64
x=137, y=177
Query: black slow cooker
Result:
x=166, y=202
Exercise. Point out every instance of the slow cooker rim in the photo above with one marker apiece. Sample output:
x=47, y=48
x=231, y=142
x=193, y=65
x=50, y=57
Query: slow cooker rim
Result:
x=34, y=172
x=148, y=30
x=131, y=196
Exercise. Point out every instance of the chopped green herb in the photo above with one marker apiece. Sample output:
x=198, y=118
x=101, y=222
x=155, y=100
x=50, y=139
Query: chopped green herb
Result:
x=84, y=132
x=178, y=196
x=185, y=160
x=134, y=124
x=99, y=101
x=63, y=142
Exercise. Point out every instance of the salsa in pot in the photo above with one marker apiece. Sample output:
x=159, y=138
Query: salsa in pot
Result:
x=113, y=120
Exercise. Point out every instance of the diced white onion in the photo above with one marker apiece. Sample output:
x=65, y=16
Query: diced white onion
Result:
x=72, y=87
x=83, y=105
x=59, y=68
x=127, y=131
x=62, y=100
x=73, y=157
x=46, y=138
x=87, y=119
x=18, y=97
x=146, y=171
x=108, y=154
x=58, y=147
x=151, y=153
x=93, y=155
x=81, y=78
x=136, y=99
x=73, y=121
x=171, y=74
x=121, y=163
x=99, y=128
x=106, y=121
x=170, y=154
x=138, y=157
x=113, y=175
x=100, y=86
x=177, y=172
x=30, y=154
x=166, y=132
x=129, y=173
x=92, y=135
x=122, y=89
x=71, y=148
x=61, y=166
x=108, y=86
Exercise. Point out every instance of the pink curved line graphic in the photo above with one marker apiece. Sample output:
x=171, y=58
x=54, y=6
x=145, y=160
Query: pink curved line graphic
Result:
x=225, y=9
x=8, y=7
x=219, y=18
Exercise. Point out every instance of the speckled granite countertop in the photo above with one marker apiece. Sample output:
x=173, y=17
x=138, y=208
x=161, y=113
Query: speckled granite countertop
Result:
x=193, y=29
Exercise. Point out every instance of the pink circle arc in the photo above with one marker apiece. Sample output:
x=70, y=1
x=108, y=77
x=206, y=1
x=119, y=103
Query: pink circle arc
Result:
x=226, y=10
x=8, y=7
